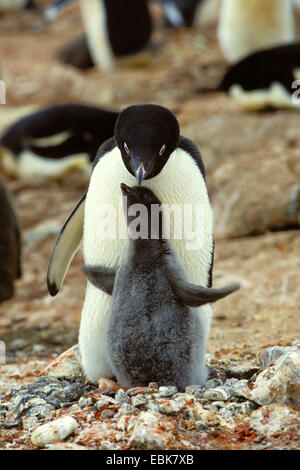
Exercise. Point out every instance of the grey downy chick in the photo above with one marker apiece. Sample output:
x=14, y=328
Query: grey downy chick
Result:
x=153, y=332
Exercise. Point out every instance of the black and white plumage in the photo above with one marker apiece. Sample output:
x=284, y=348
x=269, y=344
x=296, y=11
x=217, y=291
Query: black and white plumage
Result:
x=52, y=140
x=113, y=29
x=10, y=244
x=171, y=166
x=258, y=39
x=266, y=78
x=12, y=5
x=154, y=333
x=248, y=26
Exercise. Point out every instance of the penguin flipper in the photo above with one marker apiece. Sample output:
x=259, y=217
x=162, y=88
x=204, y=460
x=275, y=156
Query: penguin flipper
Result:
x=101, y=277
x=65, y=248
x=195, y=296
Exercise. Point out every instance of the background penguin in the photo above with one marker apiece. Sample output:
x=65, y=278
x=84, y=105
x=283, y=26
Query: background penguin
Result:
x=113, y=29
x=248, y=26
x=10, y=244
x=154, y=333
x=266, y=79
x=55, y=139
x=257, y=38
x=11, y=5
x=147, y=147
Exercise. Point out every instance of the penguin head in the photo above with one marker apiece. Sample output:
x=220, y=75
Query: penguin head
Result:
x=146, y=136
x=149, y=226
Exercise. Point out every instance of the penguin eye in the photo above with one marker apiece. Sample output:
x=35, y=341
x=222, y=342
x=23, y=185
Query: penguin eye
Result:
x=126, y=147
x=162, y=150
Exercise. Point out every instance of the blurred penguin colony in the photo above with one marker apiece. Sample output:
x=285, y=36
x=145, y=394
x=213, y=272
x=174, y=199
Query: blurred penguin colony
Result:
x=258, y=41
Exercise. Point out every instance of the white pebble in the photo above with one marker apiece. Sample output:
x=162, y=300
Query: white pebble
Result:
x=54, y=431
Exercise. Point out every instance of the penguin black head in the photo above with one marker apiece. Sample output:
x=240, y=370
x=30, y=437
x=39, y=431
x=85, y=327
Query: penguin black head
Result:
x=146, y=136
x=149, y=226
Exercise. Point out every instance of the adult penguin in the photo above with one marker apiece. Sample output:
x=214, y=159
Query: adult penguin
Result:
x=146, y=148
x=51, y=141
x=265, y=79
x=10, y=244
x=13, y=5
x=257, y=38
x=248, y=26
x=113, y=29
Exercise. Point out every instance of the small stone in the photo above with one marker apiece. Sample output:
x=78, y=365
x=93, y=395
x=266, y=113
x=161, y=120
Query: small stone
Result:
x=30, y=423
x=54, y=431
x=167, y=407
x=277, y=383
x=67, y=364
x=195, y=390
x=200, y=426
x=41, y=411
x=242, y=371
x=139, y=400
x=122, y=397
x=270, y=420
x=38, y=348
x=85, y=402
x=213, y=383
x=18, y=343
x=217, y=394
x=107, y=413
x=104, y=401
x=152, y=387
x=269, y=355
x=126, y=409
x=148, y=433
x=167, y=391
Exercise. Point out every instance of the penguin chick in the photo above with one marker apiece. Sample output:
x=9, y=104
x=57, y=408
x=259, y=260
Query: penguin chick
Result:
x=10, y=245
x=54, y=139
x=153, y=329
x=246, y=26
x=267, y=78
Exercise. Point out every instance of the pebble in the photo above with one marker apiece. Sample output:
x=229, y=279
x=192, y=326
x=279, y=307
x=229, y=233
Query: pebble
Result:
x=139, y=400
x=217, y=394
x=269, y=355
x=167, y=407
x=122, y=397
x=104, y=401
x=54, y=431
x=147, y=432
x=270, y=420
x=167, y=391
x=107, y=413
x=277, y=383
x=18, y=343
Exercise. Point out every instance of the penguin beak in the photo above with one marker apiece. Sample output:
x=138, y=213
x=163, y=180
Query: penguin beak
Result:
x=140, y=173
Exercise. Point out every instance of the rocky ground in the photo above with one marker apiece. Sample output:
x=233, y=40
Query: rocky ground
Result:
x=253, y=178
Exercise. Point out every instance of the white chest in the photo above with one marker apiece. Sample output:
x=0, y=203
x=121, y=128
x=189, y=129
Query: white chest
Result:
x=180, y=186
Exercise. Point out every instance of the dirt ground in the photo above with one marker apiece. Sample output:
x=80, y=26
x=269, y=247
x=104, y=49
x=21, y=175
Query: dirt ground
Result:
x=180, y=73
